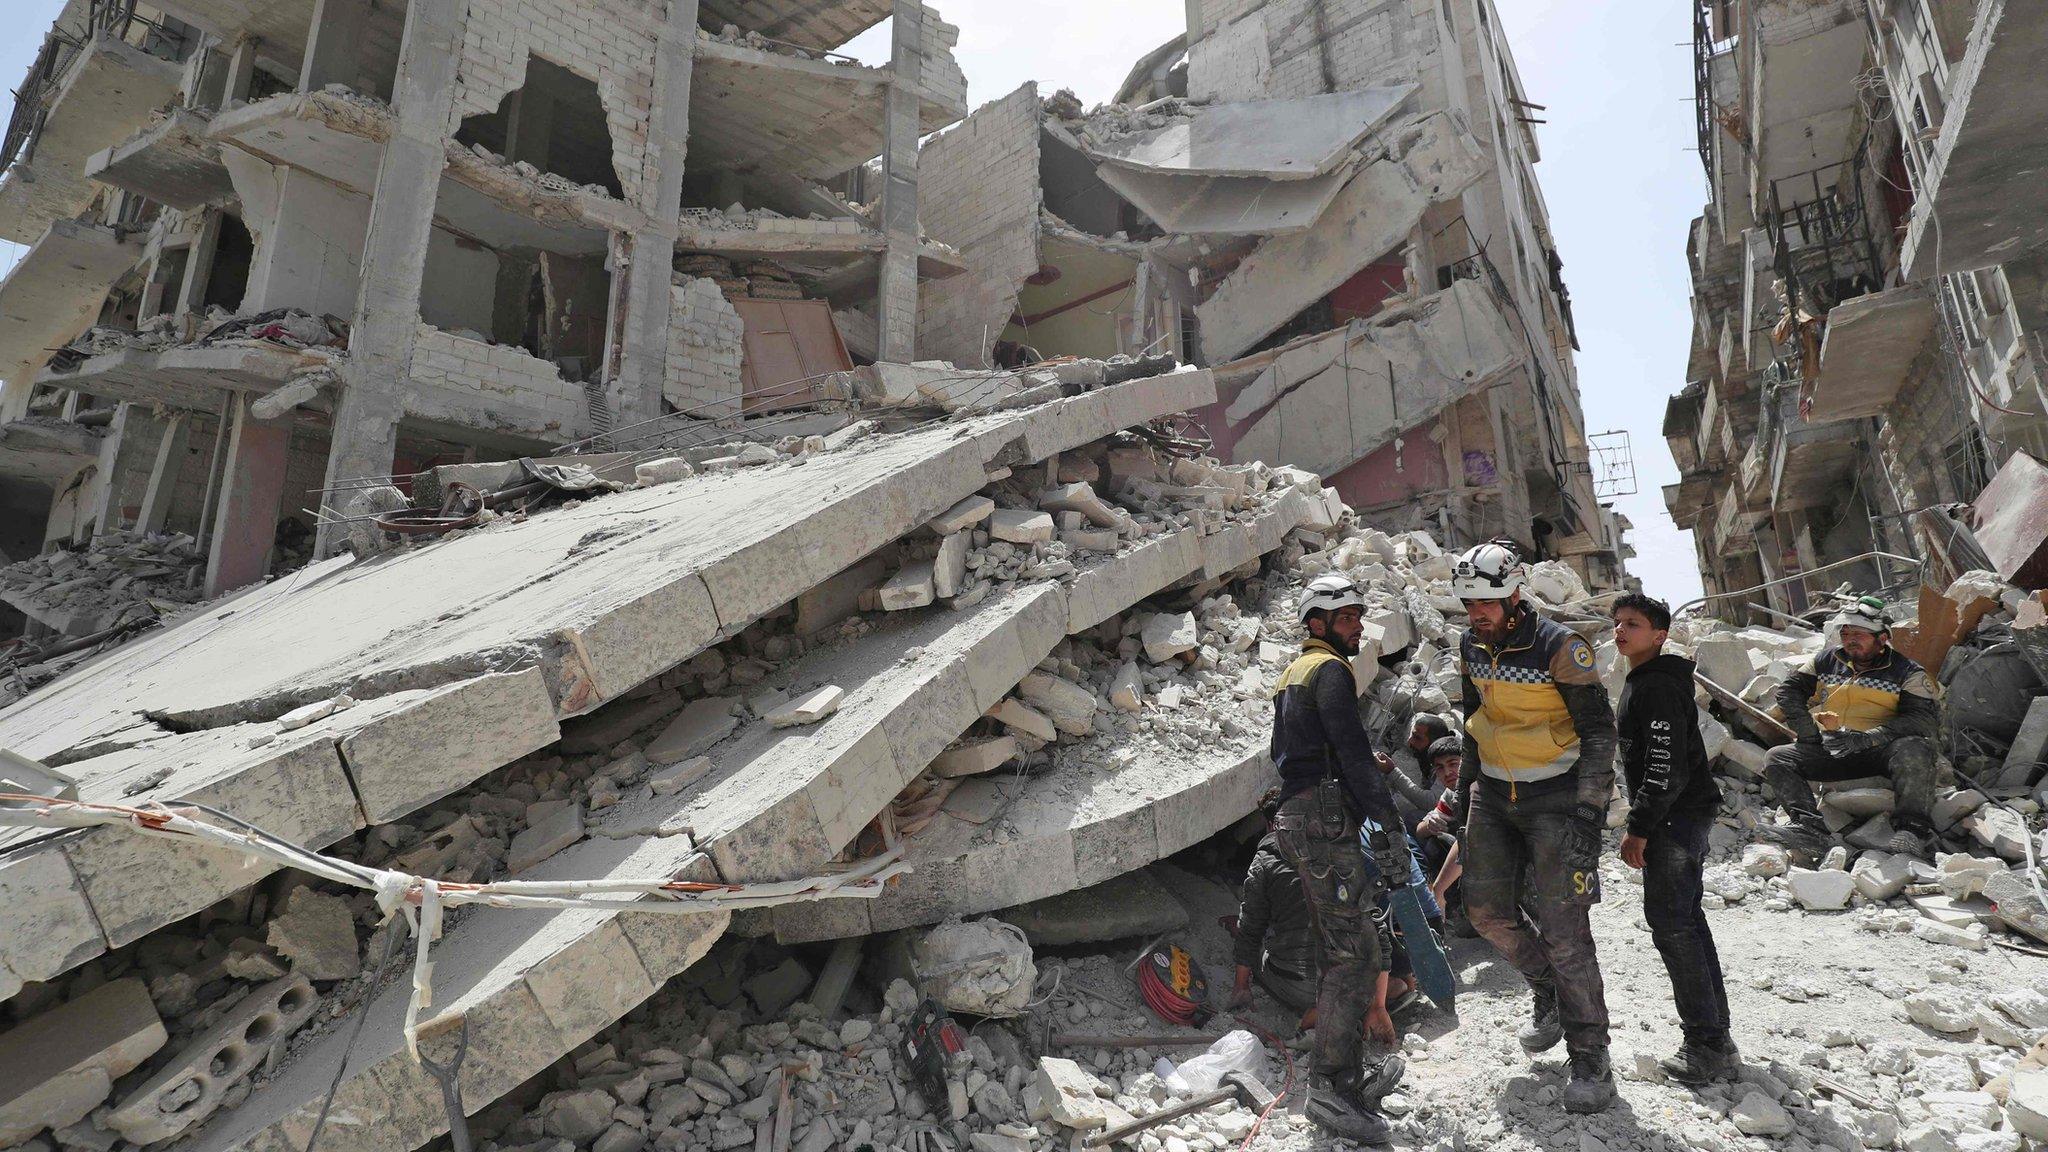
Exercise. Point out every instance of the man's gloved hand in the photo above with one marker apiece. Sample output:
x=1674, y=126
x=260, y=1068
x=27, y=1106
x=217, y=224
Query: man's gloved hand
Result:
x=1390, y=856
x=1846, y=743
x=1582, y=839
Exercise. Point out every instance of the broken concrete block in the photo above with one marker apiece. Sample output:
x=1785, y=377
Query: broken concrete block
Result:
x=1935, y=932
x=2029, y=751
x=1727, y=661
x=577, y=1116
x=317, y=933
x=975, y=757
x=1745, y=758
x=778, y=988
x=1759, y=1115
x=1081, y=498
x=2017, y=907
x=214, y=1062
x=949, y=567
x=809, y=708
x=663, y=471
x=2026, y=1103
x=1823, y=891
x=1018, y=716
x=701, y=724
x=1127, y=688
x=306, y=714
x=1071, y=707
x=1860, y=802
x=912, y=587
x=1942, y=1008
x=966, y=514
x=976, y=800
x=557, y=828
x=672, y=780
x=1091, y=539
x=1166, y=635
x=1954, y=806
x=1068, y=1094
x=1018, y=526
x=58, y=1066
x=1999, y=829
x=1881, y=875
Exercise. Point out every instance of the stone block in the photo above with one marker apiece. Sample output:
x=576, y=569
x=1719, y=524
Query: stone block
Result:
x=448, y=739
x=949, y=567
x=1018, y=526
x=911, y=587
x=1091, y=539
x=1127, y=688
x=2029, y=751
x=1999, y=829
x=1727, y=661
x=674, y=779
x=1822, y=891
x=557, y=828
x=1020, y=717
x=317, y=933
x=975, y=757
x=2026, y=1104
x=778, y=988
x=1951, y=808
x=1881, y=876
x=1166, y=635
x=56, y=925
x=663, y=471
x=1081, y=498
x=58, y=1066
x=1068, y=1094
x=809, y=708
x=215, y=1061
x=701, y=724
x=963, y=515
x=1070, y=706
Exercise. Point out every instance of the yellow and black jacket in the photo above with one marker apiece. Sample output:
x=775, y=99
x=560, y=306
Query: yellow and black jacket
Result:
x=1536, y=714
x=1892, y=697
x=1317, y=734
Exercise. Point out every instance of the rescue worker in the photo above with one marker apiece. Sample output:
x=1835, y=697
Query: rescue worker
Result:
x=1274, y=942
x=1672, y=801
x=1537, y=774
x=1878, y=718
x=1329, y=779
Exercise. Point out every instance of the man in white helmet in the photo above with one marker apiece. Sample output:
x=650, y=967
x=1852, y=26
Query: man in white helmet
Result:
x=1329, y=778
x=1881, y=715
x=1539, y=767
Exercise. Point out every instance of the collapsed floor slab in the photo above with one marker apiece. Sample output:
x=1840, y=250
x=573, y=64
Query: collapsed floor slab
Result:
x=584, y=604
x=774, y=802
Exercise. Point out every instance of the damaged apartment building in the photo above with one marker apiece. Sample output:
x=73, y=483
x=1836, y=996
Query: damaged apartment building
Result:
x=280, y=250
x=1335, y=207
x=1867, y=289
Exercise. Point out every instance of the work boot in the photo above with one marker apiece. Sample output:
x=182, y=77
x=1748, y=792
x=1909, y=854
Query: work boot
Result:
x=1592, y=1084
x=1349, y=1106
x=1703, y=1063
x=1806, y=842
x=1546, y=1028
x=1910, y=839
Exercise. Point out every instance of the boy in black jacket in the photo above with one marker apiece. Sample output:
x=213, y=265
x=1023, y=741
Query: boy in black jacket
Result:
x=1672, y=802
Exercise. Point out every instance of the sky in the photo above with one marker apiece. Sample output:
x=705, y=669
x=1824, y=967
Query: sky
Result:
x=1619, y=176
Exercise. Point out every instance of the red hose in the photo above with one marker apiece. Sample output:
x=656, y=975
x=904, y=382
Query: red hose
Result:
x=1164, y=1002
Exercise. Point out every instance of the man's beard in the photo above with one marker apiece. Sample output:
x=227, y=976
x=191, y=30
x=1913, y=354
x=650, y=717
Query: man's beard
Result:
x=1345, y=648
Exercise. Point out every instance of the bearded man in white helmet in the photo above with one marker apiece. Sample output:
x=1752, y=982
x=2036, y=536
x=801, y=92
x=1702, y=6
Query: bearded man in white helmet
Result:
x=1329, y=778
x=1539, y=766
x=1878, y=715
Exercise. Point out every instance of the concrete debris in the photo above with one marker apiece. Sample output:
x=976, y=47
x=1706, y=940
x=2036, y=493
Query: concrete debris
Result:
x=317, y=933
x=980, y=966
x=215, y=1061
x=116, y=576
x=61, y=1064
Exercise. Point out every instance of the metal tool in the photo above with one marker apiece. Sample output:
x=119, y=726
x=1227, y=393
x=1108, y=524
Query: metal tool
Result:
x=448, y=1076
x=1236, y=1086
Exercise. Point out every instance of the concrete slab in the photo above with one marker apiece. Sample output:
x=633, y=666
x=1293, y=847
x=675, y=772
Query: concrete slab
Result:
x=107, y=92
x=53, y=293
x=1267, y=139
x=1226, y=205
x=1123, y=907
x=1869, y=350
x=59, y=1065
x=188, y=376
x=45, y=450
x=1374, y=213
x=171, y=162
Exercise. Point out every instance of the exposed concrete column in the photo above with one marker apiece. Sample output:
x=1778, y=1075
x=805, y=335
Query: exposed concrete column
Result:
x=163, y=475
x=241, y=71
x=245, y=524
x=387, y=318
x=897, y=307
x=641, y=357
x=126, y=456
x=199, y=266
x=334, y=44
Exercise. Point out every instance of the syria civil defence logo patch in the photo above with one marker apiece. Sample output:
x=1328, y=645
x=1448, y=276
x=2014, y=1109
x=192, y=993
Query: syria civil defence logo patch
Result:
x=1582, y=655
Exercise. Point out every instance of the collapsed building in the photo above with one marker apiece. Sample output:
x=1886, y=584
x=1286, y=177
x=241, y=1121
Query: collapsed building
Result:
x=1866, y=343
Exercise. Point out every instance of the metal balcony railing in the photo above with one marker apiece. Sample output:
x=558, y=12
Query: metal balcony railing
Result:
x=62, y=47
x=1706, y=14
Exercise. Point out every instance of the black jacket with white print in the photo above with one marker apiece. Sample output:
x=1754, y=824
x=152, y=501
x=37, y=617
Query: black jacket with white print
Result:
x=1664, y=759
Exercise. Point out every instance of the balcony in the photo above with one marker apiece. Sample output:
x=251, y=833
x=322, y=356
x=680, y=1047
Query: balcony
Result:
x=1868, y=352
x=1982, y=200
x=171, y=162
x=1804, y=56
x=1803, y=462
x=55, y=291
x=90, y=87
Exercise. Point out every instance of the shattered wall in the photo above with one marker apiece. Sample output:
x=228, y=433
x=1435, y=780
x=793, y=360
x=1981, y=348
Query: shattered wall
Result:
x=704, y=350
x=493, y=386
x=978, y=190
x=605, y=41
x=1306, y=47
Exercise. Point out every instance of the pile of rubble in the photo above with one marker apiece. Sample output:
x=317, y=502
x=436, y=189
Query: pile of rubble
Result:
x=753, y=279
x=117, y=574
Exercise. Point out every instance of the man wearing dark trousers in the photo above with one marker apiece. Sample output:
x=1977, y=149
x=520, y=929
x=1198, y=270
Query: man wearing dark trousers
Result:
x=1537, y=774
x=1672, y=800
x=1878, y=717
x=1329, y=781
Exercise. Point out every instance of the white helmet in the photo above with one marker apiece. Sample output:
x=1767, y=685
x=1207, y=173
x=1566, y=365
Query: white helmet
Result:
x=1866, y=613
x=1487, y=572
x=1328, y=593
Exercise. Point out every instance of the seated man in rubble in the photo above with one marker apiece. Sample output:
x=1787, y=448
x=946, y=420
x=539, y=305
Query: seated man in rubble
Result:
x=1414, y=785
x=1859, y=709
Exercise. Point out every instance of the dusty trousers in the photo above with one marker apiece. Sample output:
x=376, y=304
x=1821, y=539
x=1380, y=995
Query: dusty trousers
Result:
x=1514, y=856
x=1320, y=842
x=1673, y=859
x=1909, y=762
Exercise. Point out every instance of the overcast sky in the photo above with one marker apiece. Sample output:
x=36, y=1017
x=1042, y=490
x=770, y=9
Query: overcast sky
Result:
x=1618, y=173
